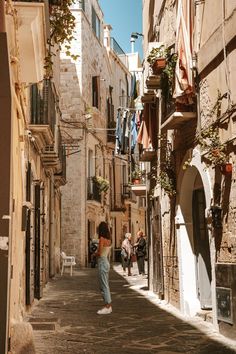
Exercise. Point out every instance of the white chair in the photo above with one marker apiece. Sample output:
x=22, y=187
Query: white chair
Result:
x=67, y=261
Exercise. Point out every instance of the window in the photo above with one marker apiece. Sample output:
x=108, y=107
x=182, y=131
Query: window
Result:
x=95, y=23
x=96, y=91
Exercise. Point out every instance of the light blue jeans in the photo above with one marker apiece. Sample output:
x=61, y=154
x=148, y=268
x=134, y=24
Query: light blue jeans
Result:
x=103, y=275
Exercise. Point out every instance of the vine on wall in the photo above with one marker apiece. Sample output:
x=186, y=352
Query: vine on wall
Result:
x=62, y=26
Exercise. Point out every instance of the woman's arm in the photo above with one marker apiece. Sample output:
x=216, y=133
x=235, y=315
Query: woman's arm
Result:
x=100, y=247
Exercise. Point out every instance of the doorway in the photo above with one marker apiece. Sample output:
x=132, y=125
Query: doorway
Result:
x=194, y=252
x=202, y=249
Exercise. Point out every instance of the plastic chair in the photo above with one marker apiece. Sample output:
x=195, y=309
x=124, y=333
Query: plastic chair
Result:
x=67, y=261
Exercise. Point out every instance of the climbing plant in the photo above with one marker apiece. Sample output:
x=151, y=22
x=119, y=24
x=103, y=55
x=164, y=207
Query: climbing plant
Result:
x=214, y=150
x=62, y=25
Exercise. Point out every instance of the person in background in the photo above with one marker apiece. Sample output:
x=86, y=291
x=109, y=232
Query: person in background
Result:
x=103, y=253
x=140, y=248
x=126, y=253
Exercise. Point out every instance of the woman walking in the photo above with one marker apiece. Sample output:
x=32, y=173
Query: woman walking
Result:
x=104, y=249
x=126, y=253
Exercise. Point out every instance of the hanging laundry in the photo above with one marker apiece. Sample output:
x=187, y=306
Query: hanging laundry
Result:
x=144, y=134
x=133, y=91
x=134, y=132
x=118, y=132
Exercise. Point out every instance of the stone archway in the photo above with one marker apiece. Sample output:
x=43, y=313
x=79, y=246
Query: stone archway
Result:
x=195, y=177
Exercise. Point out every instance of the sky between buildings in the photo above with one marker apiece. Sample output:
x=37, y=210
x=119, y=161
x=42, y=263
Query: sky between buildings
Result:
x=125, y=17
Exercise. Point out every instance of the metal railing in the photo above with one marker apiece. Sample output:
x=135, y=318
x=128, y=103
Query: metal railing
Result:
x=126, y=189
x=43, y=105
x=93, y=192
x=116, y=47
x=117, y=203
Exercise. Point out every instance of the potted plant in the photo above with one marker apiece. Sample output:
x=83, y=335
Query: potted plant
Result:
x=167, y=182
x=215, y=151
x=157, y=59
x=102, y=183
x=137, y=175
x=227, y=168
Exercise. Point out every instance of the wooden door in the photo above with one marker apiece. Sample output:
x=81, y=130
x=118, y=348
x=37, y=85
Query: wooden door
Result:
x=202, y=249
x=158, y=279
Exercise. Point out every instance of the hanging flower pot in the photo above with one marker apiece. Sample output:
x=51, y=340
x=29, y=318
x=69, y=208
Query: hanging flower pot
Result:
x=158, y=65
x=227, y=168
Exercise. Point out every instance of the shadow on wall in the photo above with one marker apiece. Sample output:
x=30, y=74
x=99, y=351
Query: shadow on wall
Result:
x=221, y=196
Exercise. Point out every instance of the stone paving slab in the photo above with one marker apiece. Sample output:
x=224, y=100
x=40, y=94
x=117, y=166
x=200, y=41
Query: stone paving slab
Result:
x=139, y=323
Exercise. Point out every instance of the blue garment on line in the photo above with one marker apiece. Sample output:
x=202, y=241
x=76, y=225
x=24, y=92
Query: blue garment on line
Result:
x=134, y=132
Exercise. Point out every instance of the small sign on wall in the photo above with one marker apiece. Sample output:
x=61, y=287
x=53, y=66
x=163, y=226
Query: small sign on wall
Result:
x=224, y=304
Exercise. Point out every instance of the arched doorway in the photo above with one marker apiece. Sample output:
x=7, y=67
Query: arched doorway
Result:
x=201, y=245
x=194, y=252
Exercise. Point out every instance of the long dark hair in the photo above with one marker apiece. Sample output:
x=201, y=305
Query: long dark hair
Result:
x=103, y=230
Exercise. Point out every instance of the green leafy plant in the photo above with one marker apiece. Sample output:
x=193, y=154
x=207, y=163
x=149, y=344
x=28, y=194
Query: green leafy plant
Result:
x=167, y=181
x=215, y=150
x=157, y=53
x=137, y=173
x=62, y=25
x=168, y=75
x=186, y=164
x=102, y=183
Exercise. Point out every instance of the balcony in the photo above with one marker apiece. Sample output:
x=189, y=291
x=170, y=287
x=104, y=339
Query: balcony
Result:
x=93, y=192
x=126, y=191
x=148, y=96
x=32, y=39
x=117, y=204
x=177, y=115
x=42, y=114
x=52, y=156
x=153, y=82
x=147, y=155
x=139, y=188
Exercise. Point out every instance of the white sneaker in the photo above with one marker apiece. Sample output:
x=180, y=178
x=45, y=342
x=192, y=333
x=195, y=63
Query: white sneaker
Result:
x=105, y=311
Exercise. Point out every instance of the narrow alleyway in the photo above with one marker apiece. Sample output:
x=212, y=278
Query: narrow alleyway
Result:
x=65, y=320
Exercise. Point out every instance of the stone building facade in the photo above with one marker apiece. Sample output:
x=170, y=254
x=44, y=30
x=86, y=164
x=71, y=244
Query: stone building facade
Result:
x=192, y=254
x=92, y=89
x=32, y=160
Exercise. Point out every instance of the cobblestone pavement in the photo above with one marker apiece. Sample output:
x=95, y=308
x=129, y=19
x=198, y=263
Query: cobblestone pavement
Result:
x=65, y=320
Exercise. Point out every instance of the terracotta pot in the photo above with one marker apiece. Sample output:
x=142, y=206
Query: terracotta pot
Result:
x=227, y=168
x=136, y=181
x=158, y=66
x=215, y=152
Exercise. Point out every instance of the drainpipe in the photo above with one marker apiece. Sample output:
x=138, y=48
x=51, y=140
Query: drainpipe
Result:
x=5, y=181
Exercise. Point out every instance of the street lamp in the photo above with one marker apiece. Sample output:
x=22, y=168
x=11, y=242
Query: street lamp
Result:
x=133, y=37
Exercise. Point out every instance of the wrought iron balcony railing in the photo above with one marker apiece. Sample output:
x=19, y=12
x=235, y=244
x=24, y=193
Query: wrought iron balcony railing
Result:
x=43, y=105
x=117, y=202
